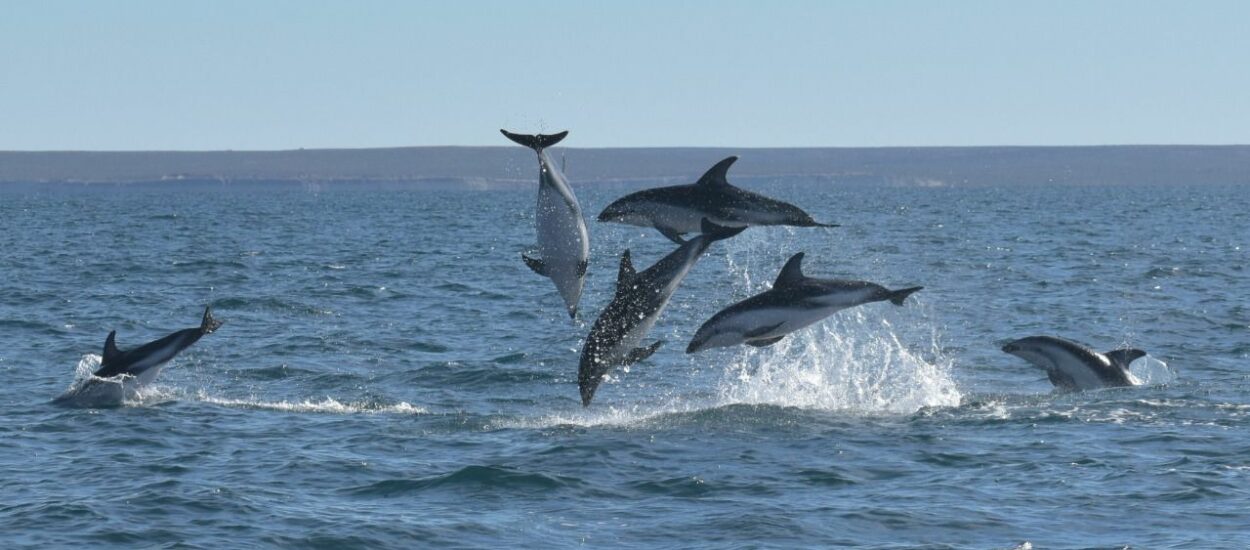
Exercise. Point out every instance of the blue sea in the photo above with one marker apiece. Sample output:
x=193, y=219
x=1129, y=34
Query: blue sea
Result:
x=391, y=375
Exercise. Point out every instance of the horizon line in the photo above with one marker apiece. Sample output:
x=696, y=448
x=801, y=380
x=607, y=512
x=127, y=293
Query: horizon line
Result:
x=686, y=147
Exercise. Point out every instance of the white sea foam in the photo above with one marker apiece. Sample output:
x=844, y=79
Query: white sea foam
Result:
x=328, y=405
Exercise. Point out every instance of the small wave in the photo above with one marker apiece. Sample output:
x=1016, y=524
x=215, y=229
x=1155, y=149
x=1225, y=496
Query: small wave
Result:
x=329, y=405
x=469, y=477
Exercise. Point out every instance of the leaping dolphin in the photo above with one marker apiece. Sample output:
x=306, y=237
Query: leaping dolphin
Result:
x=639, y=300
x=563, y=243
x=794, y=302
x=677, y=209
x=122, y=373
x=1072, y=366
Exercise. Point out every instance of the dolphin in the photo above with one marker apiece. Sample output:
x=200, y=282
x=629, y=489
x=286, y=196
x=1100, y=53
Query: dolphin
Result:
x=563, y=243
x=677, y=209
x=122, y=373
x=640, y=298
x=794, y=302
x=1072, y=366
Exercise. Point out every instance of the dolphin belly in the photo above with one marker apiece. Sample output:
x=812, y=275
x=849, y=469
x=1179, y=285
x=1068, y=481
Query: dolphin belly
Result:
x=763, y=324
x=563, y=241
x=1075, y=369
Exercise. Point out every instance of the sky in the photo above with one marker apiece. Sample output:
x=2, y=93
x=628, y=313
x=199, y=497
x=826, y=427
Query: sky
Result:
x=277, y=74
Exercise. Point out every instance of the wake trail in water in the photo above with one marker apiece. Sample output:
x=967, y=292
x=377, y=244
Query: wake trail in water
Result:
x=328, y=405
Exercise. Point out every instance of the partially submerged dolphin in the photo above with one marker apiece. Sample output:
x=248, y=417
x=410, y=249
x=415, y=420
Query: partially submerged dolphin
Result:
x=794, y=302
x=1072, y=366
x=639, y=300
x=677, y=209
x=122, y=373
x=563, y=243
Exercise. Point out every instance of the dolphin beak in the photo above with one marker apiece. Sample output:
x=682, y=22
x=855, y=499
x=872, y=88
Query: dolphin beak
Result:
x=1010, y=348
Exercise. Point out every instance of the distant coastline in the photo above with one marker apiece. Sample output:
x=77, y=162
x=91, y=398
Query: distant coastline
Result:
x=488, y=167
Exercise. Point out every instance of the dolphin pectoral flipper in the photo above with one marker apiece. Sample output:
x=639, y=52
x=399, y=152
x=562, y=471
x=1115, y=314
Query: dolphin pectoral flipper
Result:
x=764, y=343
x=671, y=234
x=535, y=264
x=639, y=354
x=1125, y=357
x=897, y=296
x=582, y=266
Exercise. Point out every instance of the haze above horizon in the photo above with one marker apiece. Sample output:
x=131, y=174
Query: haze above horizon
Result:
x=152, y=75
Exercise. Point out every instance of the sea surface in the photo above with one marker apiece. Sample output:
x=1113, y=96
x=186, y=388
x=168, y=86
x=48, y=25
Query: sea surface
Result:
x=391, y=375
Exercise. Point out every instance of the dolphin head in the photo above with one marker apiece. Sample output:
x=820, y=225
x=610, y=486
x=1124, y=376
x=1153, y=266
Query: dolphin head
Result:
x=620, y=211
x=1031, y=349
x=794, y=216
x=699, y=342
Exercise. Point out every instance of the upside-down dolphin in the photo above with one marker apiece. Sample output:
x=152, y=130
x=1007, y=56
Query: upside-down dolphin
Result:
x=639, y=300
x=1072, y=366
x=122, y=373
x=794, y=302
x=563, y=243
x=677, y=209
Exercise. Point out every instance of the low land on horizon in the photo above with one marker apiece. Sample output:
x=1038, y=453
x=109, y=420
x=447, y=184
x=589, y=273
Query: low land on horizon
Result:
x=479, y=167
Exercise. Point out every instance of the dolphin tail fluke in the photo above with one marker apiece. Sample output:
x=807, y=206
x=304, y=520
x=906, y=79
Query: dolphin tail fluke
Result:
x=715, y=232
x=897, y=296
x=1124, y=357
x=209, y=324
x=537, y=142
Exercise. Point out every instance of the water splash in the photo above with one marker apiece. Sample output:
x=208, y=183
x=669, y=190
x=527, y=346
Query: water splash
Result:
x=1149, y=371
x=852, y=361
x=855, y=360
x=88, y=391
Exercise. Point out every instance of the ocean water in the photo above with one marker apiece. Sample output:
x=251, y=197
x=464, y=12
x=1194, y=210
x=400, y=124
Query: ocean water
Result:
x=390, y=374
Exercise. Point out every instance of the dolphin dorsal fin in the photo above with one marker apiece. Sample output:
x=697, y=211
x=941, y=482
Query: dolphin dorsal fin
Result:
x=625, y=276
x=110, y=348
x=791, y=273
x=1124, y=357
x=717, y=175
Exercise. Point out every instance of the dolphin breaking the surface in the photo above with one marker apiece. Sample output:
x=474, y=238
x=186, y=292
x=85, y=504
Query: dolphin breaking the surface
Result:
x=563, y=243
x=794, y=302
x=122, y=373
x=678, y=209
x=639, y=300
x=1071, y=366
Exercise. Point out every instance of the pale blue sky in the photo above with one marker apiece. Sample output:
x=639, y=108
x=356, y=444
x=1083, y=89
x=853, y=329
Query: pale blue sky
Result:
x=287, y=74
